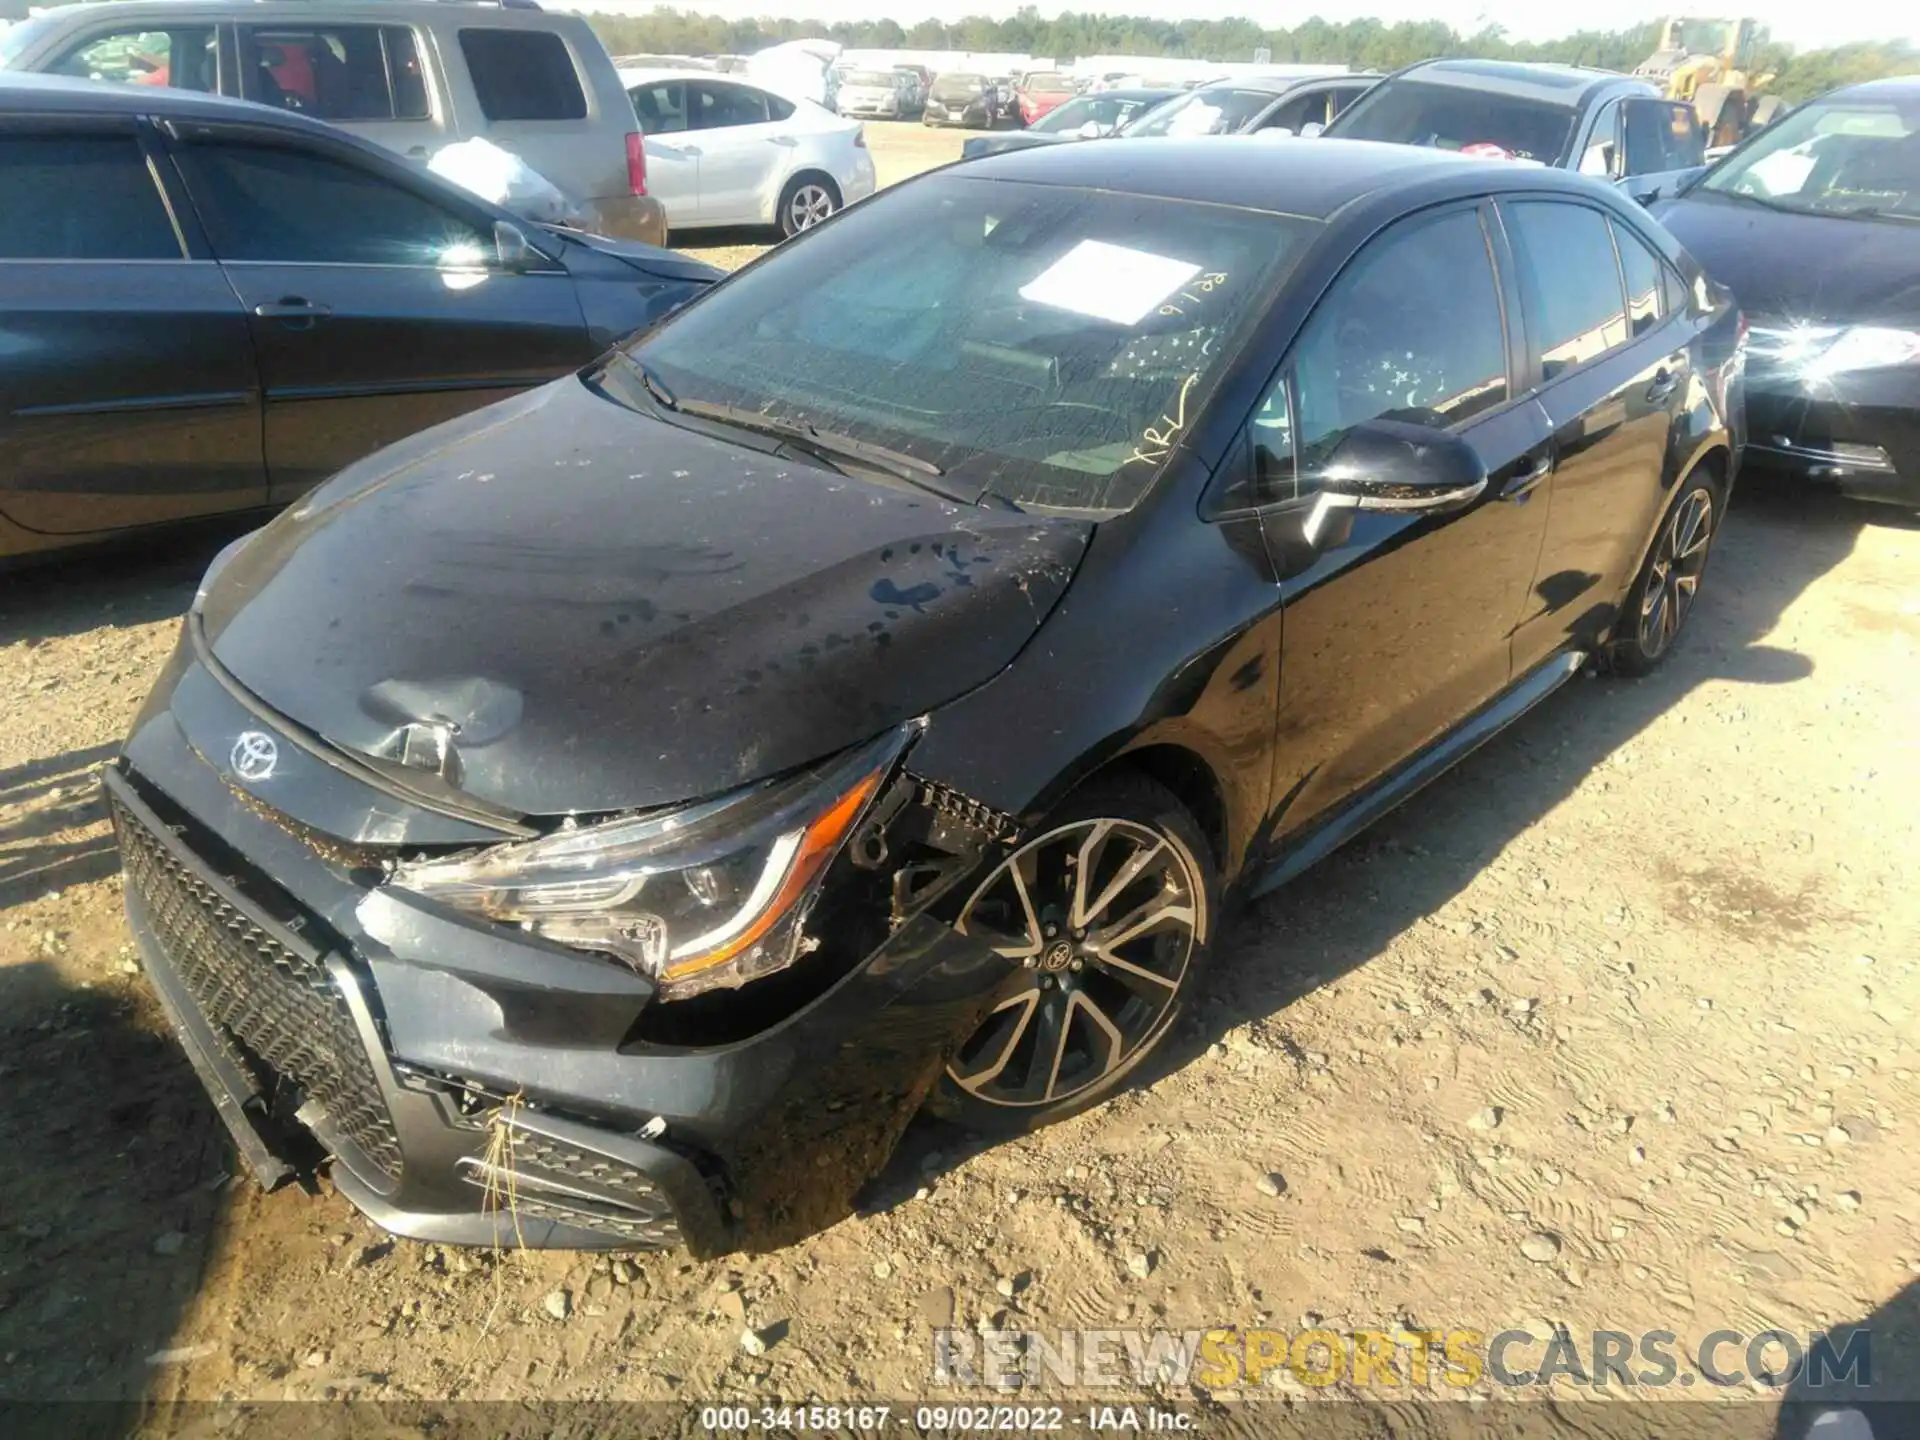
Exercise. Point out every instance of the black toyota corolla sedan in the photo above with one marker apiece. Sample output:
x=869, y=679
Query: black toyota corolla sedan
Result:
x=1815, y=226
x=607, y=818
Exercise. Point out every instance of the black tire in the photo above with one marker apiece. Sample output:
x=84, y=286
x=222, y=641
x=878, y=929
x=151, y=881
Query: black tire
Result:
x=1107, y=1004
x=808, y=183
x=1664, y=592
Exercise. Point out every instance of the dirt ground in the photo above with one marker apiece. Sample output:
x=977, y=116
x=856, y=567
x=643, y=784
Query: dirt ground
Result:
x=1613, y=1028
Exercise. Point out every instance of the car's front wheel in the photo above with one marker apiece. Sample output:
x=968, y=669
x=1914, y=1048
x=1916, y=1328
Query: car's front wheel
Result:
x=807, y=200
x=1105, y=919
x=1662, y=597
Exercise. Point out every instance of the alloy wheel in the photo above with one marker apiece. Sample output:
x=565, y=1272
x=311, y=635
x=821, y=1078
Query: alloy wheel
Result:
x=1673, y=579
x=1101, y=919
x=811, y=203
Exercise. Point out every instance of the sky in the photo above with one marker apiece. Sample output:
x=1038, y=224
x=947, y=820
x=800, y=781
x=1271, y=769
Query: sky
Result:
x=1807, y=24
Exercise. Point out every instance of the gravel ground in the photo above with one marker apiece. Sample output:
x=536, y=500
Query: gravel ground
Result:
x=1612, y=1028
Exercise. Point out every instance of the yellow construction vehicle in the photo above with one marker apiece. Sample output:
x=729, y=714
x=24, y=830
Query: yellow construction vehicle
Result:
x=1711, y=64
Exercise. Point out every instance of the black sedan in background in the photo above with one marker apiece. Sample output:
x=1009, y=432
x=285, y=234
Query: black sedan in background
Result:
x=1085, y=117
x=606, y=819
x=1815, y=225
x=210, y=306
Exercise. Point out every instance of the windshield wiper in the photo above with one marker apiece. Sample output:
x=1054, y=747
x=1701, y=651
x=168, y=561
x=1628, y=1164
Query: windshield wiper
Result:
x=825, y=444
x=1876, y=212
x=655, y=387
x=1766, y=202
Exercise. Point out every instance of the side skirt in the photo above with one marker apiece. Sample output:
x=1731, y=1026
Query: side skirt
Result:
x=1399, y=785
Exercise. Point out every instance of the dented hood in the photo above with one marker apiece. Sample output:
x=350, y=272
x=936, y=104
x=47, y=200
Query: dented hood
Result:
x=589, y=609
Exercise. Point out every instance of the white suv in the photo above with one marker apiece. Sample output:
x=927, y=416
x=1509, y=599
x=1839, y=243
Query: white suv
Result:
x=412, y=75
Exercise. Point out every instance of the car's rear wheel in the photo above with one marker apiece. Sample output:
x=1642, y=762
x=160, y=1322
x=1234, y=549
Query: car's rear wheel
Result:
x=1104, y=919
x=1662, y=597
x=807, y=200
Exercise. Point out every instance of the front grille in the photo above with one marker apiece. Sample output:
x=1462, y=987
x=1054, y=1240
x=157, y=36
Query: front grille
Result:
x=529, y=1173
x=272, y=1005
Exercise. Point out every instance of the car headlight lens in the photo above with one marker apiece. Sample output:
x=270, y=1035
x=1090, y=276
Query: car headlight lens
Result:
x=1820, y=352
x=704, y=897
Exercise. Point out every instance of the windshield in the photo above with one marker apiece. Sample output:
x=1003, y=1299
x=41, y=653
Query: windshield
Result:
x=1703, y=37
x=958, y=87
x=1210, y=111
x=1047, y=82
x=877, y=79
x=1102, y=110
x=14, y=39
x=1044, y=344
x=1842, y=157
x=1453, y=117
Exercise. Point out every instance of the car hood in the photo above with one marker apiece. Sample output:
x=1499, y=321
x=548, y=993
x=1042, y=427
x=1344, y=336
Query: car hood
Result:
x=669, y=264
x=1816, y=268
x=603, y=611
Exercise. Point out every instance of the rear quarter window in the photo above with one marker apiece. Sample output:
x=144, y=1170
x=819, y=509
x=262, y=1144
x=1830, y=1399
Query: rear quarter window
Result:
x=523, y=75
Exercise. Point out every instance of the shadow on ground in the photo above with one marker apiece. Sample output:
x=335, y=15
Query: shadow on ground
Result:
x=110, y=1191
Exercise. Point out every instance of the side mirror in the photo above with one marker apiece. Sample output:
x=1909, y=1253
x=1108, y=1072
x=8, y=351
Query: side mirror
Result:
x=1392, y=465
x=513, y=250
x=1311, y=129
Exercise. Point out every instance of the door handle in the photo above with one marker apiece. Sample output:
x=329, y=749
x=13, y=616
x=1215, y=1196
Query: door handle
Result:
x=294, y=311
x=1521, y=486
x=1665, y=382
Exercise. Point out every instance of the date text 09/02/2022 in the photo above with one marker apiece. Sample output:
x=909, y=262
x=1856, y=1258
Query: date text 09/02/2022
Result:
x=741, y=1419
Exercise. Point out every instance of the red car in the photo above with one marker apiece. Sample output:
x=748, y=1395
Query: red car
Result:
x=1041, y=91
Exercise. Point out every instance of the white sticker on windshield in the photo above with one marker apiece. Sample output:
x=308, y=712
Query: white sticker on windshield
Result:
x=1109, y=282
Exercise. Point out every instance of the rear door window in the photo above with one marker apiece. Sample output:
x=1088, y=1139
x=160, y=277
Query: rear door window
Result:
x=523, y=75
x=80, y=197
x=1570, y=279
x=720, y=107
x=336, y=72
x=1642, y=270
x=182, y=56
x=282, y=204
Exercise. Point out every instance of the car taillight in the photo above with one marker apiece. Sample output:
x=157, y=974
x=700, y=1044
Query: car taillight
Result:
x=637, y=164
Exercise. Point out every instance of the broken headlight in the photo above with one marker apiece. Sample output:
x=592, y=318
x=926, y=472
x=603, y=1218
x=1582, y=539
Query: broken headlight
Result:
x=707, y=896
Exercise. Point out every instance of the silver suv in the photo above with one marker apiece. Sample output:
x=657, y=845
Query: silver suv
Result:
x=411, y=75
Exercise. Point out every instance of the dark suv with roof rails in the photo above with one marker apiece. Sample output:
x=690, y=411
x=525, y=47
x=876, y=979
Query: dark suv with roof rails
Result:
x=1597, y=122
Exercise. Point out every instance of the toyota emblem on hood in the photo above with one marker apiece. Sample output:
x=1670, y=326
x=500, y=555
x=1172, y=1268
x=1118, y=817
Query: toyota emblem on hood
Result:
x=254, y=755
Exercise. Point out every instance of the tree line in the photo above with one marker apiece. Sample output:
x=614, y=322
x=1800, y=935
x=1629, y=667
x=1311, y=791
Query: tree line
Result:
x=1365, y=44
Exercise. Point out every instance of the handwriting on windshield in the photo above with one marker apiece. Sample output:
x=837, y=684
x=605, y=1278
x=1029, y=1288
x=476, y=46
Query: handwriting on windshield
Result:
x=1158, y=439
x=1206, y=285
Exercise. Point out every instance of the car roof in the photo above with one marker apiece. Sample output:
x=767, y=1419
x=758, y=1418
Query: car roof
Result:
x=1893, y=87
x=635, y=74
x=1136, y=92
x=23, y=93
x=1568, y=85
x=1313, y=178
x=1269, y=84
x=494, y=15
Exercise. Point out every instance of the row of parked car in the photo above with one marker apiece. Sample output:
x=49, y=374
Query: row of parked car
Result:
x=641, y=149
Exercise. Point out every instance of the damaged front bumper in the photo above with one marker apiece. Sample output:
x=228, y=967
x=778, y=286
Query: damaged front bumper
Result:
x=474, y=1085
